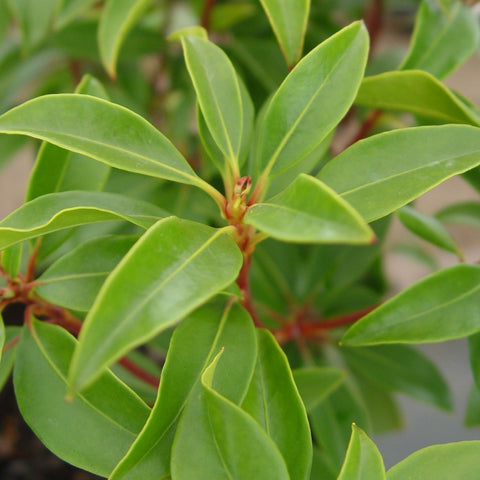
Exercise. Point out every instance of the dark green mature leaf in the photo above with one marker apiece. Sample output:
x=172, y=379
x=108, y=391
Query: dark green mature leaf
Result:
x=118, y=17
x=273, y=395
x=289, y=23
x=7, y=357
x=403, y=369
x=312, y=100
x=35, y=19
x=428, y=228
x=56, y=211
x=217, y=439
x=444, y=37
x=440, y=462
x=174, y=268
x=96, y=428
x=74, y=280
x=316, y=383
x=363, y=460
x=204, y=332
x=308, y=211
x=57, y=169
x=377, y=177
x=102, y=130
x=474, y=354
x=11, y=259
x=218, y=93
x=461, y=213
x=442, y=306
x=417, y=92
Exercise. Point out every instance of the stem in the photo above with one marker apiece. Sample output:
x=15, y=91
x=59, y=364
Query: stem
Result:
x=244, y=285
x=139, y=372
x=374, y=22
x=366, y=126
x=30, y=274
x=207, y=13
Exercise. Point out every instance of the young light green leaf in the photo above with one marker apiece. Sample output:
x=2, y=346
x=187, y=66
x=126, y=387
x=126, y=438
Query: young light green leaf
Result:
x=461, y=213
x=218, y=93
x=56, y=211
x=414, y=91
x=217, y=439
x=7, y=357
x=175, y=267
x=57, y=169
x=96, y=428
x=11, y=259
x=376, y=177
x=289, y=23
x=74, y=280
x=205, y=332
x=442, y=306
x=443, y=38
x=440, y=462
x=308, y=211
x=101, y=130
x=428, y=228
x=403, y=369
x=273, y=385
x=118, y=17
x=363, y=460
x=312, y=100
x=316, y=383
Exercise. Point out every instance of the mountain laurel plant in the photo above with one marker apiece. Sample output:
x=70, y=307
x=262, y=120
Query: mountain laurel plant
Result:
x=242, y=251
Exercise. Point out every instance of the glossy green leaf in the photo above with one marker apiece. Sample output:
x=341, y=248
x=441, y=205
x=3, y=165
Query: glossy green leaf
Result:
x=363, y=460
x=442, y=306
x=461, y=213
x=175, y=267
x=312, y=100
x=217, y=439
x=414, y=91
x=428, y=228
x=11, y=259
x=309, y=211
x=444, y=37
x=218, y=93
x=7, y=357
x=71, y=9
x=289, y=23
x=440, y=462
x=57, y=169
x=382, y=173
x=273, y=395
x=116, y=21
x=95, y=429
x=316, y=383
x=403, y=369
x=205, y=332
x=74, y=280
x=101, y=130
x=57, y=211
x=34, y=18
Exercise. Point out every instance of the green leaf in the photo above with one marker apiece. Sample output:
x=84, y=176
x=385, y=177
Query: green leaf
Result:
x=316, y=383
x=70, y=9
x=217, y=439
x=443, y=38
x=414, y=91
x=440, y=462
x=428, y=228
x=101, y=130
x=175, y=267
x=218, y=93
x=116, y=21
x=96, y=428
x=472, y=411
x=474, y=354
x=363, y=460
x=461, y=213
x=74, y=280
x=56, y=211
x=289, y=23
x=312, y=100
x=442, y=306
x=309, y=211
x=273, y=395
x=7, y=357
x=382, y=173
x=11, y=259
x=205, y=332
x=34, y=18
x=57, y=169
x=401, y=368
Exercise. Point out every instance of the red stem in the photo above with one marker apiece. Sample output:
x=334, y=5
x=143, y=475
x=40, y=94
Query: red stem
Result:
x=244, y=284
x=132, y=367
x=10, y=344
x=207, y=13
x=374, y=22
x=366, y=126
